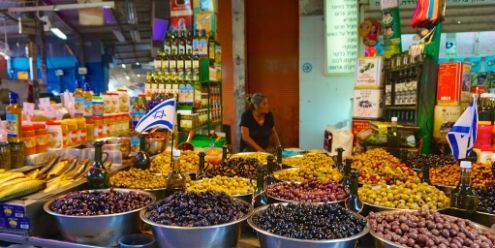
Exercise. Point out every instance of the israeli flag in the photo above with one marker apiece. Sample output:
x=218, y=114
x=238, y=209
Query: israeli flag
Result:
x=462, y=135
x=162, y=116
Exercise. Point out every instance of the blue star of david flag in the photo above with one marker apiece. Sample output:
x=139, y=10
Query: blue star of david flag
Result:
x=462, y=135
x=161, y=116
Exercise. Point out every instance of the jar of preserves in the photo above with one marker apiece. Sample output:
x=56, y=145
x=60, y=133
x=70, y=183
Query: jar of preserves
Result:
x=56, y=136
x=90, y=130
x=98, y=124
x=16, y=154
x=81, y=129
x=29, y=138
x=41, y=137
x=72, y=132
x=5, y=162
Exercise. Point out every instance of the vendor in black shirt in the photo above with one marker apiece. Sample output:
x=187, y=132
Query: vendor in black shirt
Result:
x=258, y=126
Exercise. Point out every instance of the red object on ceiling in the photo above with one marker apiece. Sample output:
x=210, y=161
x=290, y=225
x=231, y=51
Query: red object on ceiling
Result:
x=272, y=40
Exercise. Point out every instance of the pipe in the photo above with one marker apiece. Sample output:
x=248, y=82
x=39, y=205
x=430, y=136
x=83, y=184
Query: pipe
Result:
x=56, y=7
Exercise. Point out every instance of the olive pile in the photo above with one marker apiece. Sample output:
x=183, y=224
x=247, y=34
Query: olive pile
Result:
x=309, y=159
x=431, y=160
x=229, y=185
x=260, y=156
x=313, y=172
x=308, y=191
x=239, y=166
x=448, y=175
x=309, y=221
x=425, y=228
x=90, y=203
x=197, y=209
x=138, y=179
x=487, y=200
x=405, y=196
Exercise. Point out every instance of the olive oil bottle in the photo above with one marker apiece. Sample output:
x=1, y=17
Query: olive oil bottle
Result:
x=464, y=197
x=142, y=159
x=176, y=181
x=270, y=166
x=259, y=196
x=353, y=203
x=97, y=176
x=14, y=118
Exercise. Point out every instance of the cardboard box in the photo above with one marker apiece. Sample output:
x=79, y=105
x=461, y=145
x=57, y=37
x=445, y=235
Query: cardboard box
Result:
x=369, y=71
x=17, y=223
x=454, y=82
x=205, y=20
x=367, y=103
x=181, y=8
x=443, y=119
x=358, y=126
x=13, y=211
x=180, y=23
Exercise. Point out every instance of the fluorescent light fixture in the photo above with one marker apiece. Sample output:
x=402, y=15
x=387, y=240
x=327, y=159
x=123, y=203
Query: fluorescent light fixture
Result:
x=118, y=35
x=58, y=33
x=123, y=66
x=137, y=63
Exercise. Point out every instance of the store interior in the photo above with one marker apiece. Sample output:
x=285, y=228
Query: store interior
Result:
x=236, y=123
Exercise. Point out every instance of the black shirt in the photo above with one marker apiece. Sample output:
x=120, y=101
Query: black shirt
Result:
x=260, y=134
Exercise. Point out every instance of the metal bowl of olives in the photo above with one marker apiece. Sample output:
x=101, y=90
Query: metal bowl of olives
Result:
x=485, y=219
x=98, y=229
x=382, y=242
x=269, y=239
x=215, y=236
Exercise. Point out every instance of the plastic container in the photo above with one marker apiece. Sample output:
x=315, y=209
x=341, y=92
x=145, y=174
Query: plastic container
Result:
x=29, y=138
x=73, y=135
x=56, y=137
x=41, y=137
x=124, y=101
x=98, y=106
x=90, y=130
x=98, y=127
x=81, y=130
x=485, y=136
x=107, y=120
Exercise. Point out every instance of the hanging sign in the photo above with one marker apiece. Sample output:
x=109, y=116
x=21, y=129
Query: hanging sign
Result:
x=341, y=38
x=411, y=4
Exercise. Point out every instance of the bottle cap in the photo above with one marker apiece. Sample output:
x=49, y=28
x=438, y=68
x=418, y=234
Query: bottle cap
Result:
x=176, y=153
x=465, y=165
x=394, y=119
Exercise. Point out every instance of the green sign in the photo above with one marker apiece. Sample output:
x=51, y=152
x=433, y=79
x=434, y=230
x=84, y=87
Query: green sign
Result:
x=411, y=4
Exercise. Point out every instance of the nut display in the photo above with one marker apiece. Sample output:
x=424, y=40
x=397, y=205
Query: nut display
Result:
x=229, y=185
x=260, y=156
x=308, y=191
x=487, y=200
x=90, y=203
x=138, y=179
x=309, y=159
x=309, y=221
x=432, y=160
x=377, y=166
x=189, y=162
x=426, y=228
x=405, y=196
x=448, y=175
x=192, y=209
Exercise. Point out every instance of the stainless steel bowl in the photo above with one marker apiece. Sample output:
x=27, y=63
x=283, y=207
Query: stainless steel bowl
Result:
x=485, y=219
x=381, y=242
x=219, y=236
x=102, y=230
x=269, y=240
x=156, y=146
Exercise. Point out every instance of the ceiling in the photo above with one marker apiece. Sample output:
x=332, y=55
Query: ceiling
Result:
x=129, y=20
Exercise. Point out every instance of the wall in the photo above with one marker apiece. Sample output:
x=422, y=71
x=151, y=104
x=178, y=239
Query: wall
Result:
x=224, y=37
x=323, y=100
x=272, y=30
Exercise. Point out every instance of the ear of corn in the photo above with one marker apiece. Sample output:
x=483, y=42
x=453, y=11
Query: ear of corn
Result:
x=21, y=189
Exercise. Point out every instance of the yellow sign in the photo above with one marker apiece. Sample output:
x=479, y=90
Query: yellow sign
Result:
x=22, y=75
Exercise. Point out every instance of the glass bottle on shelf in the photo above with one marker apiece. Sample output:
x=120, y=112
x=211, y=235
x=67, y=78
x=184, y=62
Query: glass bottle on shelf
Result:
x=13, y=114
x=393, y=138
x=142, y=159
x=176, y=181
x=259, y=196
x=97, y=176
x=270, y=166
x=352, y=202
x=464, y=197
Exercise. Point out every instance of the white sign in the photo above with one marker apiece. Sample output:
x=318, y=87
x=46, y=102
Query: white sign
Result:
x=341, y=36
x=82, y=70
x=411, y=4
x=388, y=4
